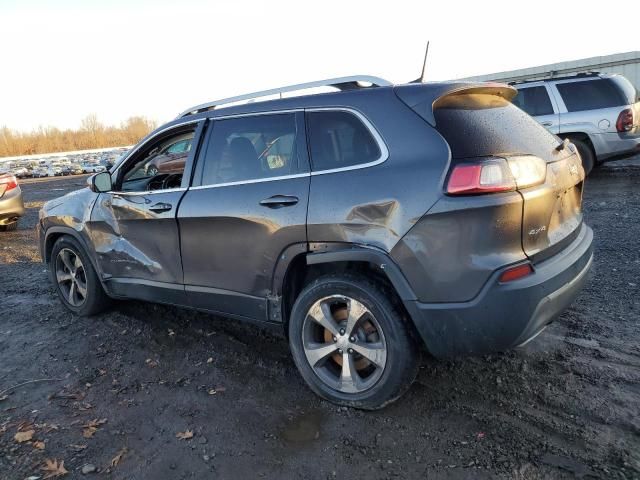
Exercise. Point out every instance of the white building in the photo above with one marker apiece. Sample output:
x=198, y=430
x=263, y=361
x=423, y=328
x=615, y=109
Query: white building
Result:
x=627, y=64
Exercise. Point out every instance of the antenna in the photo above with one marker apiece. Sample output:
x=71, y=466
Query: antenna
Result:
x=423, y=77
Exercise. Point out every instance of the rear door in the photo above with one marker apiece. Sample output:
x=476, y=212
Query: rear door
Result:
x=248, y=204
x=134, y=228
x=535, y=100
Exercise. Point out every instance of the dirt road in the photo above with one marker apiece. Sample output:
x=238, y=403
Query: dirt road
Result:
x=119, y=387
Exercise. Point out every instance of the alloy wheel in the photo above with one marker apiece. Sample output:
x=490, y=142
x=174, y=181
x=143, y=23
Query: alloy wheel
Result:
x=344, y=344
x=71, y=277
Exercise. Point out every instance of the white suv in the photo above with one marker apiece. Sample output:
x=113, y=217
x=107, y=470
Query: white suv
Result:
x=599, y=113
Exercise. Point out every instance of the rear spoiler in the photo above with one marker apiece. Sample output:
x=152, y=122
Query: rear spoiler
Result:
x=422, y=97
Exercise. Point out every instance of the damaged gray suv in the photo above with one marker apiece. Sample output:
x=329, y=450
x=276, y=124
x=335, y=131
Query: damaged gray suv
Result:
x=372, y=223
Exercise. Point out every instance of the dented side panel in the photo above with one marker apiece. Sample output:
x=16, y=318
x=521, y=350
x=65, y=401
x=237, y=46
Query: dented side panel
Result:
x=377, y=205
x=132, y=241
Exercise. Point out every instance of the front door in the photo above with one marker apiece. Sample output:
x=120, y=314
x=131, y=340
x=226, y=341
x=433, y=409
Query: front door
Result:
x=134, y=227
x=247, y=205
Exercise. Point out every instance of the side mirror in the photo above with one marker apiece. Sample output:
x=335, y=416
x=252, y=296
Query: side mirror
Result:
x=100, y=182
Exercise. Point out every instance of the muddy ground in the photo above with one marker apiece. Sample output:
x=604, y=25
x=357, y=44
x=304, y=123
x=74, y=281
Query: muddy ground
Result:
x=119, y=387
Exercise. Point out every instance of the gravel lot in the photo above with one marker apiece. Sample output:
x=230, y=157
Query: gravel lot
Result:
x=119, y=387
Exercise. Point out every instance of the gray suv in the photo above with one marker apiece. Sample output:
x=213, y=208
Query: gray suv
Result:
x=370, y=223
x=598, y=113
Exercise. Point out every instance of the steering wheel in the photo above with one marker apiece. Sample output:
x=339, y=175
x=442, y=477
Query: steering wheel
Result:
x=157, y=182
x=173, y=180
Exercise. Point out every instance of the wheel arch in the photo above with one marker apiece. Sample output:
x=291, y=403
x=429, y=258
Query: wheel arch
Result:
x=582, y=136
x=54, y=233
x=304, y=266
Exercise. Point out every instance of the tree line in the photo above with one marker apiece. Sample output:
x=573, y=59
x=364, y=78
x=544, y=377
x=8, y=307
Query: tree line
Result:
x=91, y=134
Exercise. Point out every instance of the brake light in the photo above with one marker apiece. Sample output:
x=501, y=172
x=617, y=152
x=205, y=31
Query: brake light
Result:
x=515, y=273
x=493, y=175
x=625, y=120
x=9, y=182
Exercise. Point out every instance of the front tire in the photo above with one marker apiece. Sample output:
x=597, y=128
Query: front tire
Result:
x=351, y=343
x=75, y=279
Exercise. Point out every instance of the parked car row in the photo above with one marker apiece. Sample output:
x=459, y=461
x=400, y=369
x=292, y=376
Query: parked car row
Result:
x=57, y=170
x=71, y=164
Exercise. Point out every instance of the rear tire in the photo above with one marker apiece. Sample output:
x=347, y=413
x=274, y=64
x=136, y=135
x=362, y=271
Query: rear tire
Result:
x=586, y=154
x=324, y=340
x=75, y=279
x=9, y=227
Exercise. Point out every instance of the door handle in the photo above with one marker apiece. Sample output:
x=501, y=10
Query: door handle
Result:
x=546, y=124
x=278, y=201
x=161, y=207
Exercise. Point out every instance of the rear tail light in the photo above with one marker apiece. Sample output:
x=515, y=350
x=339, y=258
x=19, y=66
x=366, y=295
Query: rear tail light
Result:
x=625, y=120
x=492, y=175
x=8, y=182
x=515, y=273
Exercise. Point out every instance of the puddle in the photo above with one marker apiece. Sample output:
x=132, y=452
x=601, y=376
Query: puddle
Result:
x=303, y=428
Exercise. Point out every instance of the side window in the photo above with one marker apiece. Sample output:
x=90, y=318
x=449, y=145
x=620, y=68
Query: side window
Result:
x=590, y=95
x=250, y=148
x=339, y=139
x=534, y=100
x=160, y=164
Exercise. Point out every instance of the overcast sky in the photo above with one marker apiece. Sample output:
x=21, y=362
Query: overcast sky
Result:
x=64, y=59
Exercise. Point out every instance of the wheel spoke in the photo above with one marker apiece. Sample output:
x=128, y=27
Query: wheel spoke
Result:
x=77, y=263
x=67, y=260
x=82, y=289
x=321, y=313
x=319, y=351
x=72, y=292
x=349, y=379
x=356, y=311
x=63, y=276
x=374, y=352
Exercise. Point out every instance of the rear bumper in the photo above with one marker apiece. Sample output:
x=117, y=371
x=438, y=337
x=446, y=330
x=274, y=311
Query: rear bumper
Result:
x=11, y=206
x=613, y=145
x=503, y=316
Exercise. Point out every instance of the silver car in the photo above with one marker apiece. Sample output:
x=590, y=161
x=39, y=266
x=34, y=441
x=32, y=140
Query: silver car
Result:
x=11, y=205
x=599, y=113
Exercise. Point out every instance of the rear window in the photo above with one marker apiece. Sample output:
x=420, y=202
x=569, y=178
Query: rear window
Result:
x=591, y=94
x=478, y=125
x=339, y=139
x=534, y=100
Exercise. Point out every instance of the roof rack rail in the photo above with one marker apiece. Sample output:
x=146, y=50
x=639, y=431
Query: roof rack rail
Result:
x=552, y=78
x=341, y=83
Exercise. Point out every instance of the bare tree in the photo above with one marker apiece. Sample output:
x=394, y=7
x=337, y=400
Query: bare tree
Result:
x=92, y=134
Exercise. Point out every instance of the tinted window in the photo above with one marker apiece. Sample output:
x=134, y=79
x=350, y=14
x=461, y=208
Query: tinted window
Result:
x=477, y=125
x=591, y=95
x=534, y=100
x=250, y=148
x=339, y=139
